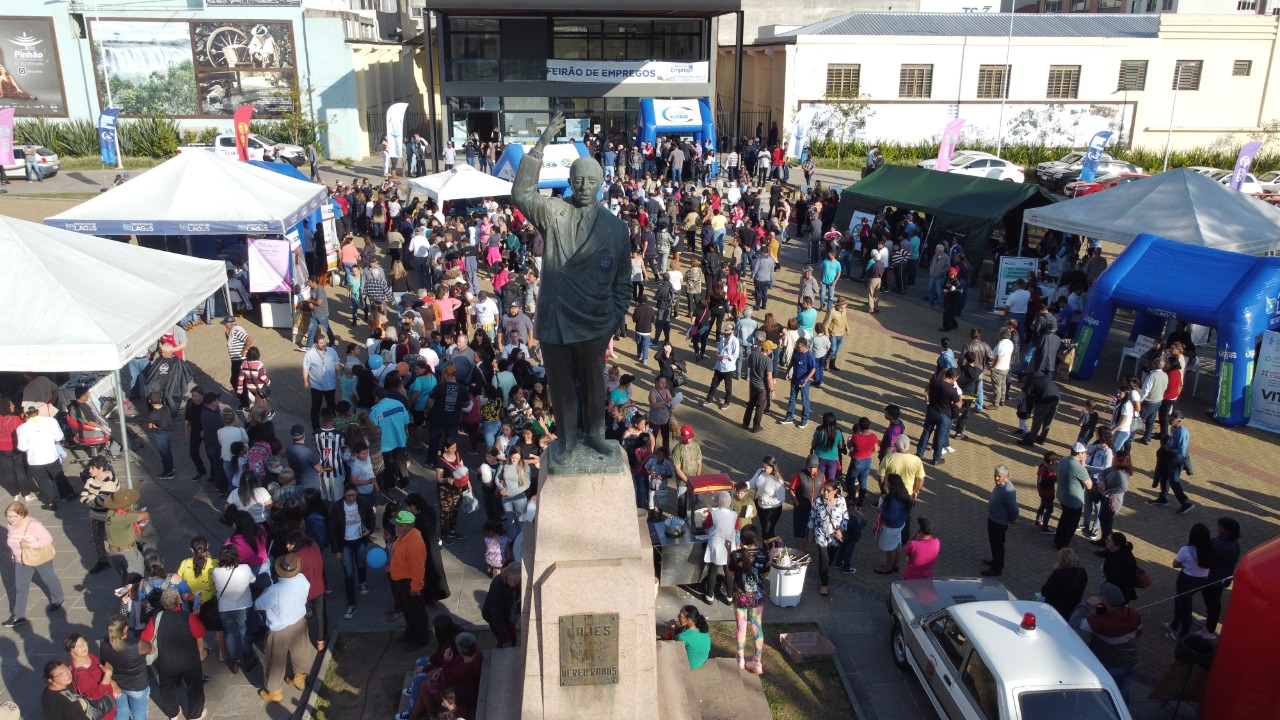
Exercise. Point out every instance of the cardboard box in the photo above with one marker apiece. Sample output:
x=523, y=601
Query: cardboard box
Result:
x=807, y=647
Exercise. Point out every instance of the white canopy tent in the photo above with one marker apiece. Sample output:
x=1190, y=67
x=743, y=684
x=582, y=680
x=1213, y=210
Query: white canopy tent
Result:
x=460, y=183
x=1177, y=205
x=197, y=193
x=76, y=303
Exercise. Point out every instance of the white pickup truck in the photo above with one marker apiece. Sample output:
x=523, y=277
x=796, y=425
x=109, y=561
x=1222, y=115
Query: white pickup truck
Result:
x=260, y=148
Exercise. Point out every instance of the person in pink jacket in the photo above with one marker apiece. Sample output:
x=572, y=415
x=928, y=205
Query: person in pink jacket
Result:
x=26, y=533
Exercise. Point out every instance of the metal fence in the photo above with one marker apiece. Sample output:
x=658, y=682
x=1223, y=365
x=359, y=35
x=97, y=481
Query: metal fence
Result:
x=750, y=118
x=414, y=122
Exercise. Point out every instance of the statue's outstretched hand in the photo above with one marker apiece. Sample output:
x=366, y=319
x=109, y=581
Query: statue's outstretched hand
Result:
x=553, y=130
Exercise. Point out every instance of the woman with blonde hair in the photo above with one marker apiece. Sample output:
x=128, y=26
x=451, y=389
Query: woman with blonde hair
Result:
x=1065, y=587
x=31, y=548
x=399, y=280
x=128, y=668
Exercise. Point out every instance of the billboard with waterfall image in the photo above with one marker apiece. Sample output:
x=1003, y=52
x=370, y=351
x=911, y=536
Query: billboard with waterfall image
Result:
x=194, y=69
x=30, y=78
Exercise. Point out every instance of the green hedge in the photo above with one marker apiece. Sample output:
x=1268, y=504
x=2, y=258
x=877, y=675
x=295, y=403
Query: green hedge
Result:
x=1028, y=156
x=153, y=137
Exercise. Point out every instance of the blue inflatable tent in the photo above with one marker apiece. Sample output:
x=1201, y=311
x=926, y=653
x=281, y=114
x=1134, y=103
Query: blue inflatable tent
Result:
x=556, y=159
x=677, y=117
x=1237, y=294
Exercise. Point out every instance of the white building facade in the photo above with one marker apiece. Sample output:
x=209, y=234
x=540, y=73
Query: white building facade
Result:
x=198, y=60
x=1067, y=76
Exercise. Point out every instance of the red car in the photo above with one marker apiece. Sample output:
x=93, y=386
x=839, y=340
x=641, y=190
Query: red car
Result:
x=1077, y=189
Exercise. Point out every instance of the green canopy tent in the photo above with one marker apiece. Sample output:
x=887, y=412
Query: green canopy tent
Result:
x=963, y=204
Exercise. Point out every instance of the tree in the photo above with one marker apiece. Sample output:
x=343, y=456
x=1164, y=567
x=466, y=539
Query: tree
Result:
x=842, y=115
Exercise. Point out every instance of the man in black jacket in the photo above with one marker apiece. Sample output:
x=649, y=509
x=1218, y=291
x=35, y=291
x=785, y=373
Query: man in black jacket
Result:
x=1042, y=398
x=351, y=523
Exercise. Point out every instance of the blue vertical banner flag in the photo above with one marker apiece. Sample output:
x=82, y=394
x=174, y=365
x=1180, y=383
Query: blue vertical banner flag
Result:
x=108, y=146
x=1089, y=170
x=1243, y=161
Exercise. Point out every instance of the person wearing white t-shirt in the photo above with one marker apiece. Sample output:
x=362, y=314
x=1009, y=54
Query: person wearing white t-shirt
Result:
x=486, y=313
x=420, y=249
x=231, y=582
x=1127, y=403
x=1016, y=307
x=450, y=156
x=1000, y=365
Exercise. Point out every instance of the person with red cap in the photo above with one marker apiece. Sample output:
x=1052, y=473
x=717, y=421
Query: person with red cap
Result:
x=686, y=458
x=951, y=297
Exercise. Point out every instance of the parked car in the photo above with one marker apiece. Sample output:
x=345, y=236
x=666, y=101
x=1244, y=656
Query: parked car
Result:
x=989, y=167
x=1071, y=159
x=1078, y=188
x=260, y=148
x=1270, y=181
x=49, y=163
x=981, y=653
x=1250, y=184
x=1057, y=180
x=1202, y=170
x=957, y=158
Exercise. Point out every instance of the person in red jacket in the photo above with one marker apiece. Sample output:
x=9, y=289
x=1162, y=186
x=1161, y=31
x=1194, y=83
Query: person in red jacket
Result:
x=301, y=544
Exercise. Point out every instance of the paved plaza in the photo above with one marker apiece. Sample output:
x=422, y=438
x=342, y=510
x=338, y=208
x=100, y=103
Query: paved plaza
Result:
x=886, y=358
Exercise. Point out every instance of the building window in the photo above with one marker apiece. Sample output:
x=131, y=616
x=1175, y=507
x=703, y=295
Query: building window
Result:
x=1186, y=75
x=667, y=40
x=1242, y=68
x=1247, y=5
x=1078, y=6
x=993, y=81
x=1133, y=76
x=1064, y=82
x=1053, y=6
x=1168, y=6
x=915, y=81
x=475, y=50
x=843, y=80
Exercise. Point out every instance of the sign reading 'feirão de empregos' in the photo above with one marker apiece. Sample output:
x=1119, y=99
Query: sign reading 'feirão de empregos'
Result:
x=589, y=649
x=641, y=71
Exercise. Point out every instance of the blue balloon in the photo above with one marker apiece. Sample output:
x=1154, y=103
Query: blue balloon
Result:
x=376, y=558
x=375, y=362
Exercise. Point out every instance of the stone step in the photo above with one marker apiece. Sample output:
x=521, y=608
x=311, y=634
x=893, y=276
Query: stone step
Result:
x=404, y=701
x=501, y=684
x=726, y=693
x=675, y=697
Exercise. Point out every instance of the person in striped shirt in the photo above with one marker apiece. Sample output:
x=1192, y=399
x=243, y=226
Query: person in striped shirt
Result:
x=238, y=344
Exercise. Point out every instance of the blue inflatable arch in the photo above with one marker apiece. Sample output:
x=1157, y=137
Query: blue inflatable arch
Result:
x=660, y=117
x=1237, y=294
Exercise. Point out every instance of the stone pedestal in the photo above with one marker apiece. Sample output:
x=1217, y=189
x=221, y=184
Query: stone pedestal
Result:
x=585, y=555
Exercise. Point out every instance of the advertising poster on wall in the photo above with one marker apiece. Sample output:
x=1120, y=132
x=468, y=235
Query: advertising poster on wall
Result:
x=195, y=69
x=30, y=78
x=147, y=65
x=268, y=265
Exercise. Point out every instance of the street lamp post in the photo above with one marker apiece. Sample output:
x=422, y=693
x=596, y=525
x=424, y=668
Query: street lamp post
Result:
x=1168, y=138
x=1004, y=95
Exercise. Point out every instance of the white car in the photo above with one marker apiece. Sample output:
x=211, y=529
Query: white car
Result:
x=47, y=159
x=989, y=167
x=960, y=156
x=981, y=653
x=1270, y=181
x=1250, y=184
x=1203, y=170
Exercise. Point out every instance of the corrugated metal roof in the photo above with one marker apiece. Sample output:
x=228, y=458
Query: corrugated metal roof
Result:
x=985, y=25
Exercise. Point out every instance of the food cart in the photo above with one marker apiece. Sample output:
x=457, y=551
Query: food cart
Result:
x=679, y=542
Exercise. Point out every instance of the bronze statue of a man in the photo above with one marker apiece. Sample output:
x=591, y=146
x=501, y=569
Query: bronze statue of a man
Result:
x=585, y=294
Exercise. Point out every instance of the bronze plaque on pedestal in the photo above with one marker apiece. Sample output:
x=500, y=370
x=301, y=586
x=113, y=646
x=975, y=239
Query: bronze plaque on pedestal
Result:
x=589, y=649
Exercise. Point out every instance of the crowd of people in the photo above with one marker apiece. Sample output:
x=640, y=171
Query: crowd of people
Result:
x=441, y=385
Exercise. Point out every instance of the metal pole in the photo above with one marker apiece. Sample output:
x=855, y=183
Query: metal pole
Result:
x=1022, y=238
x=737, y=81
x=121, y=395
x=436, y=148
x=1004, y=95
x=1168, y=138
